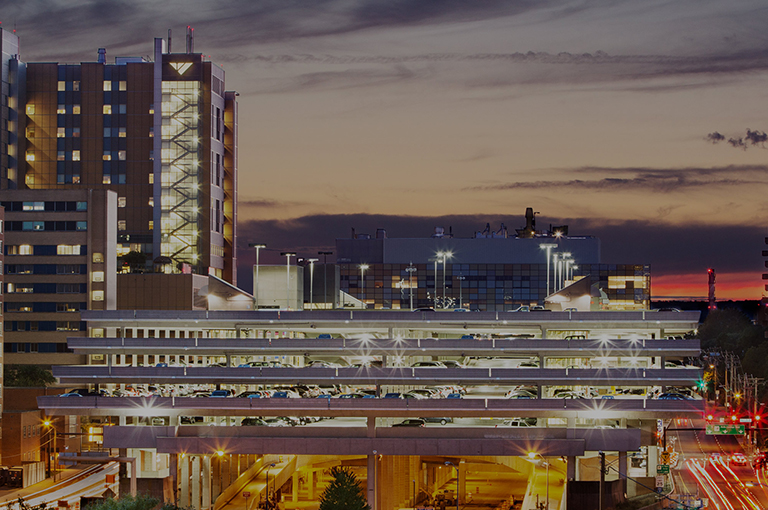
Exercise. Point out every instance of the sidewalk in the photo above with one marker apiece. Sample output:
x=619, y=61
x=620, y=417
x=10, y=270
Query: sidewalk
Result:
x=12, y=495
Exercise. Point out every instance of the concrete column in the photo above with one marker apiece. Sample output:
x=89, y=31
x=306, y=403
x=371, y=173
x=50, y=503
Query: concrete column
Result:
x=371, y=426
x=462, y=483
x=217, y=468
x=206, y=483
x=371, y=476
x=623, y=469
x=184, y=501
x=295, y=487
x=571, y=469
x=121, y=421
x=173, y=471
x=196, y=482
x=312, y=479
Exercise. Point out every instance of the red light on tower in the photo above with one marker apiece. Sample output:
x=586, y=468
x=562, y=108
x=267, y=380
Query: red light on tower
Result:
x=757, y=417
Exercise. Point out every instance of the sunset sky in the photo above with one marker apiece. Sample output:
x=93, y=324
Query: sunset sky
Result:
x=411, y=114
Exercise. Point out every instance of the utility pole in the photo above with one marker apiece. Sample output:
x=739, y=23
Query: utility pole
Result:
x=602, y=480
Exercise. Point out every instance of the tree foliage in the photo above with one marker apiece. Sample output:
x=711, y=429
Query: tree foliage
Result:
x=135, y=260
x=730, y=330
x=27, y=376
x=345, y=492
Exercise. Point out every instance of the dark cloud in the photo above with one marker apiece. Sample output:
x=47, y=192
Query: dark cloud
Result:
x=756, y=137
x=673, y=180
x=670, y=249
x=715, y=137
x=263, y=203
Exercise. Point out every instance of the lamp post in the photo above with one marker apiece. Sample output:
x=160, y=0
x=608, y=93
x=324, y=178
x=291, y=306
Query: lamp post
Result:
x=437, y=259
x=52, y=429
x=288, y=255
x=363, y=267
x=446, y=256
x=411, y=270
x=555, y=266
x=447, y=463
x=548, y=247
x=564, y=257
x=325, y=276
x=312, y=282
x=461, y=279
x=532, y=456
x=258, y=247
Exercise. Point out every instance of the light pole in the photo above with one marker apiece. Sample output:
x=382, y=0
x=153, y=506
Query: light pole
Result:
x=447, y=463
x=532, y=456
x=555, y=266
x=325, y=276
x=548, y=247
x=461, y=279
x=258, y=247
x=437, y=258
x=446, y=256
x=363, y=267
x=52, y=429
x=311, y=282
x=411, y=270
x=288, y=255
x=564, y=257
x=268, y=468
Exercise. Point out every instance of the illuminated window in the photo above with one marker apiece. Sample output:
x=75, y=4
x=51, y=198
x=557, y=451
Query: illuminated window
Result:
x=98, y=295
x=121, y=132
x=76, y=132
x=33, y=206
x=151, y=225
x=62, y=86
x=76, y=85
x=30, y=109
x=107, y=109
x=61, y=155
x=68, y=249
x=121, y=155
x=151, y=201
x=151, y=132
x=75, y=155
x=98, y=258
x=151, y=178
x=76, y=109
x=28, y=226
x=121, y=225
x=123, y=85
x=151, y=109
x=98, y=276
x=107, y=86
x=121, y=201
x=61, y=132
x=67, y=326
x=107, y=156
x=30, y=131
x=30, y=156
x=61, y=109
x=106, y=179
x=67, y=307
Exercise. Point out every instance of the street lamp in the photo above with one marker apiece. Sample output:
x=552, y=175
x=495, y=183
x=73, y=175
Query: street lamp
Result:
x=564, y=257
x=446, y=255
x=438, y=255
x=325, y=276
x=363, y=267
x=411, y=270
x=312, y=282
x=268, y=468
x=548, y=247
x=52, y=428
x=532, y=456
x=449, y=463
x=258, y=247
x=288, y=255
x=555, y=266
x=461, y=279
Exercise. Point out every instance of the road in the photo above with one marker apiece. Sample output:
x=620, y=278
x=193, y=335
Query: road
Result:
x=701, y=472
x=90, y=482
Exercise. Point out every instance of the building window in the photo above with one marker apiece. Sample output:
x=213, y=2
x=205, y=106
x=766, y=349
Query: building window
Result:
x=121, y=109
x=33, y=206
x=98, y=258
x=98, y=276
x=30, y=156
x=28, y=226
x=68, y=249
x=121, y=225
x=121, y=132
x=151, y=132
x=61, y=155
x=61, y=132
x=62, y=86
x=76, y=85
x=30, y=109
x=151, y=225
x=67, y=326
x=67, y=307
x=81, y=226
x=123, y=85
x=121, y=155
x=76, y=109
x=107, y=109
x=20, y=288
x=67, y=268
x=106, y=179
x=98, y=295
x=19, y=249
x=67, y=288
x=75, y=155
x=61, y=109
x=30, y=131
x=107, y=86
x=121, y=201
x=106, y=156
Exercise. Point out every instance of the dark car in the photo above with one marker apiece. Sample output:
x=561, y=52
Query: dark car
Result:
x=673, y=396
x=253, y=422
x=424, y=310
x=411, y=422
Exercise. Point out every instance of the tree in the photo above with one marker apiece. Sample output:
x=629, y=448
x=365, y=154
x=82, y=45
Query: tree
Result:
x=729, y=330
x=27, y=376
x=344, y=493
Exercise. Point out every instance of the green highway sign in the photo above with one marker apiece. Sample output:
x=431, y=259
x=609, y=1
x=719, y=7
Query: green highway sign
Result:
x=725, y=429
x=662, y=469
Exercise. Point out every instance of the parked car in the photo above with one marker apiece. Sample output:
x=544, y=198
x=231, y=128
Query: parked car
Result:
x=411, y=422
x=252, y=421
x=250, y=394
x=70, y=395
x=220, y=394
x=452, y=363
x=393, y=395
x=441, y=421
x=429, y=364
x=520, y=422
x=673, y=396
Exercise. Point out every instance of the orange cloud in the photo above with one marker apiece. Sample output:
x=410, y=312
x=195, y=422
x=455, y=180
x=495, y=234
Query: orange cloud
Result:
x=735, y=286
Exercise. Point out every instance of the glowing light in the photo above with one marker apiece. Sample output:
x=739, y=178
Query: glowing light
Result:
x=532, y=455
x=220, y=453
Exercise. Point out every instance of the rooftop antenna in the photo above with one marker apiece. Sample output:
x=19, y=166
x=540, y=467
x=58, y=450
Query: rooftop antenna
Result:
x=169, y=40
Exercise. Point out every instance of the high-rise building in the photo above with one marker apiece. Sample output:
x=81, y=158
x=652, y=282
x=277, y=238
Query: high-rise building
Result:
x=162, y=135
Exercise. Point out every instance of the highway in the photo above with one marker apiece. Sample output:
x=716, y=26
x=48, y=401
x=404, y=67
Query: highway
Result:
x=703, y=468
x=90, y=482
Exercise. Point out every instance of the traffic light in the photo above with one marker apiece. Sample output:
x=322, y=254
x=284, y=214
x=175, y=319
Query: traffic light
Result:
x=702, y=385
x=734, y=418
x=710, y=417
x=757, y=417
